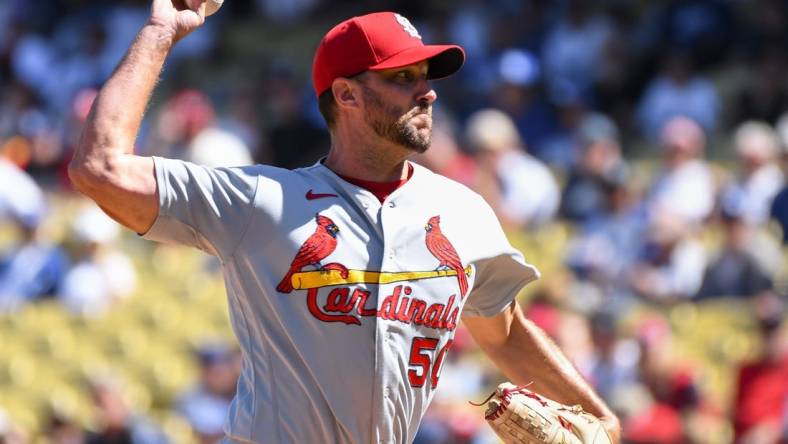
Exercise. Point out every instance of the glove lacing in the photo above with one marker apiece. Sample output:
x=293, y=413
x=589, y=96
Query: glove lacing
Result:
x=496, y=408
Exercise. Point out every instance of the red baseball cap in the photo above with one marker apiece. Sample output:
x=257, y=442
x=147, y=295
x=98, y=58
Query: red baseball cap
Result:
x=377, y=41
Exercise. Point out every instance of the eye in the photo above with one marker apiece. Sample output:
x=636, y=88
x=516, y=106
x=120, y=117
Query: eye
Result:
x=404, y=76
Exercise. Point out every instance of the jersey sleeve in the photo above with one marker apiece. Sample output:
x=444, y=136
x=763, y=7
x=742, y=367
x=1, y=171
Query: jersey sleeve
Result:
x=501, y=270
x=207, y=208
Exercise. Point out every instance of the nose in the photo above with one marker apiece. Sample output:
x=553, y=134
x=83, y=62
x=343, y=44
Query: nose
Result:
x=426, y=93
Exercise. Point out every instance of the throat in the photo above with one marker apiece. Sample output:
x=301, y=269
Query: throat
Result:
x=381, y=190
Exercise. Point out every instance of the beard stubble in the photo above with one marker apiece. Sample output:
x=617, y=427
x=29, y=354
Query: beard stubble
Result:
x=392, y=123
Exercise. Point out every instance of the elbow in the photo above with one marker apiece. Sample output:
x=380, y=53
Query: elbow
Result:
x=81, y=175
x=88, y=172
x=78, y=171
x=77, y=175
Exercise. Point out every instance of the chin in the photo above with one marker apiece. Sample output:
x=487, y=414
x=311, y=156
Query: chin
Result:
x=413, y=139
x=420, y=147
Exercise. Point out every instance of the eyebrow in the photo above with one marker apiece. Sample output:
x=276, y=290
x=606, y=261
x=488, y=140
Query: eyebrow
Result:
x=416, y=71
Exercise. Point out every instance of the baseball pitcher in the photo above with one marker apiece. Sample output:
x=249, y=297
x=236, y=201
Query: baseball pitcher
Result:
x=347, y=279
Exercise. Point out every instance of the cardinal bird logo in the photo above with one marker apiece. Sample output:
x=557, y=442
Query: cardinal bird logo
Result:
x=317, y=247
x=441, y=248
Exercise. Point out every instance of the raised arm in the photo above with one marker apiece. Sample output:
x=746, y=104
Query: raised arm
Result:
x=104, y=166
x=524, y=353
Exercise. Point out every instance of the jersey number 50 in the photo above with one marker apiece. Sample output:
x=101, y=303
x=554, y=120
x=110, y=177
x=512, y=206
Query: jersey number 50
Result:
x=420, y=358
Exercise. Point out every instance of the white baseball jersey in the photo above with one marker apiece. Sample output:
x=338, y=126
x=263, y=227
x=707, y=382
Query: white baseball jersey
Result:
x=344, y=307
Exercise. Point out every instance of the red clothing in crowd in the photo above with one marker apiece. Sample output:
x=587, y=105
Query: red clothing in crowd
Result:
x=762, y=395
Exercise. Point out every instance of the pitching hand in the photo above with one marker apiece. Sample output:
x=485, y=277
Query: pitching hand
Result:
x=178, y=17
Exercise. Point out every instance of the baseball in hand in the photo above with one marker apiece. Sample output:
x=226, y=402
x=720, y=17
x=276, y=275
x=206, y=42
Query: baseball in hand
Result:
x=211, y=6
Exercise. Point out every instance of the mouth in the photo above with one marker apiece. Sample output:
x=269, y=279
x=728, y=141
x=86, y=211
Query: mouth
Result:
x=422, y=120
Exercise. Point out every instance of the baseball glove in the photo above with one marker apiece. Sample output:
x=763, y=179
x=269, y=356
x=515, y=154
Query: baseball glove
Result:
x=520, y=416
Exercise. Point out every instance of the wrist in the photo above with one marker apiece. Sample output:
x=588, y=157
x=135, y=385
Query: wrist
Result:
x=162, y=33
x=613, y=428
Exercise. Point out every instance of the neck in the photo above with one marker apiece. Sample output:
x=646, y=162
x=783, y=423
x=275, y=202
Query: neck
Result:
x=367, y=160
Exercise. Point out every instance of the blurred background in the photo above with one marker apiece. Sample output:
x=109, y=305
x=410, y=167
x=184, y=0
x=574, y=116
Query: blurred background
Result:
x=635, y=151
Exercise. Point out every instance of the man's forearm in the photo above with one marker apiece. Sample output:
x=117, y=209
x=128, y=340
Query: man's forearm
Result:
x=114, y=121
x=104, y=167
x=529, y=356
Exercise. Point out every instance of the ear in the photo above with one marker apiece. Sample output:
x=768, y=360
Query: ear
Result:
x=346, y=93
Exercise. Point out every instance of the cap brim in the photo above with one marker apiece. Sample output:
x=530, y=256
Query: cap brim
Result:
x=444, y=60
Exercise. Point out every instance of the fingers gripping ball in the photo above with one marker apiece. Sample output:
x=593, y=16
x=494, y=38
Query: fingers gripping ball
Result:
x=520, y=416
x=211, y=6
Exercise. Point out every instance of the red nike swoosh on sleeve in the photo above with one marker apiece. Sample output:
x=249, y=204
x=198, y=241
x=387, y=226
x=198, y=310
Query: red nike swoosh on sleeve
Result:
x=312, y=196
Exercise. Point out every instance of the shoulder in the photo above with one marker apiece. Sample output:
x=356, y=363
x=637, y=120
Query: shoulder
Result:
x=246, y=173
x=446, y=190
x=307, y=173
x=259, y=183
x=454, y=200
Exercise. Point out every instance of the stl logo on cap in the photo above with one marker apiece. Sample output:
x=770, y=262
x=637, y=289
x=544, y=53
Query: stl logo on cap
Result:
x=408, y=26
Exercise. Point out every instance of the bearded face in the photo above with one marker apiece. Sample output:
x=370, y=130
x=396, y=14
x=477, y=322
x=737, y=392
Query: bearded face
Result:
x=411, y=129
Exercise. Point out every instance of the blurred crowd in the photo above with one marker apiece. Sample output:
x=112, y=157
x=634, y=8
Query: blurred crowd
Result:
x=654, y=133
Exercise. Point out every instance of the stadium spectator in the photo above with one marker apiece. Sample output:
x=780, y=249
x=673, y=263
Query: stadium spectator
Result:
x=21, y=199
x=760, y=408
x=520, y=188
x=779, y=206
x=649, y=406
x=31, y=61
x=671, y=378
x=117, y=423
x=31, y=267
x=652, y=422
x=60, y=428
x=735, y=271
x=20, y=111
x=206, y=405
x=614, y=360
x=599, y=161
x=700, y=27
x=573, y=50
x=678, y=91
x=241, y=117
x=293, y=138
x=186, y=129
x=76, y=59
x=685, y=185
x=100, y=275
x=671, y=263
x=517, y=89
x=764, y=96
x=759, y=178
x=604, y=248
x=10, y=433
x=560, y=149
